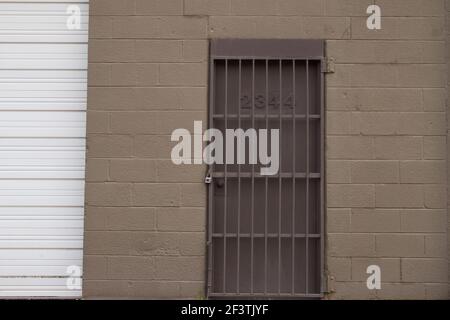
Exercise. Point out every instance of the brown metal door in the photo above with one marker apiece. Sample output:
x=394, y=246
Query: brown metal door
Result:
x=265, y=233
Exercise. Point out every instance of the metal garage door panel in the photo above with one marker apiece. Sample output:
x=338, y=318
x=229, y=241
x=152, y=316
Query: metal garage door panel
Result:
x=43, y=85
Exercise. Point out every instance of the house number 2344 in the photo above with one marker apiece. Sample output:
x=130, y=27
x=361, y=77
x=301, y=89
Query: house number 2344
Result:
x=259, y=101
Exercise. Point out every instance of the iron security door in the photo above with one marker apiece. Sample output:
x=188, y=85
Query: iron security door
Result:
x=265, y=232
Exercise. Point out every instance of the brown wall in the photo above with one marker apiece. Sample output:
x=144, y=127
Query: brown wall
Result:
x=386, y=141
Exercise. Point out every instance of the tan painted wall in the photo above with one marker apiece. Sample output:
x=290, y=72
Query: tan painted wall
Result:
x=386, y=141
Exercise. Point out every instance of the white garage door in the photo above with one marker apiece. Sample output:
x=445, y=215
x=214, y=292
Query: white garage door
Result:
x=43, y=82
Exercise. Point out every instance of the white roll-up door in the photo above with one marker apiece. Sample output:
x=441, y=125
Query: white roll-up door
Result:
x=43, y=85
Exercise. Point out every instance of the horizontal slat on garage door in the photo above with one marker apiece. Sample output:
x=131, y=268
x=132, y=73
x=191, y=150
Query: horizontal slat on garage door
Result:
x=43, y=84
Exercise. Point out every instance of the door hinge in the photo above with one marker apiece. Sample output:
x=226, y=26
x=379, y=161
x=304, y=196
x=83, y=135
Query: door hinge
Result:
x=329, y=284
x=328, y=65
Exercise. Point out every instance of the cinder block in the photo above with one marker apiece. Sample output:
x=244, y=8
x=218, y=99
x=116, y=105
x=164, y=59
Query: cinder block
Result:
x=377, y=220
x=147, y=74
x=195, y=50
x=171, y=120
x=338, y=171
x=339, y=268
x=337, y=223
x=120, y=219
x=434, y=99
x=127, y=243
x=434, y=52
x=399, y=196
x=435, y=196
x=436, y=245
x=97, y=170
x=123, y=74
x=100, y=27
x=374, y=123
x=106, y=288
x=133, y=170
x=253, y=7
x=177, y=268
x=363, y=75
x=346, y=7
x=94, y=219
x=430, y=171
x=374, y=172
x=207, y=7
x=99, y=74
x=350, y=148
x=279, y=27
x=374, y=99
x=424, y=220
x=95, y=267
x=192, y=290
x=135, y=122
x=131, y=268
x=369, y=51
x=352, y=196
x=398, y=148
x=108, y=194
x=229, y=27
x=407, y=8
x=181, y=219
x=400, y=28
x=108, y=98
x=300, y=8
x=354, y=245
x=151, y=146
x=193, y=194
x=167, y=171
x=338, y=123
x=159, y=7
x=109, y=146
x=400, y=245
x=361, y=51
x=156, y=194
x=155, y=289
x=158, y=50
x=421, y=75
x=175, y=98
x=407, y=291
x=436, y=291
x=435, y=147
x=389, y=267
x=111, y=7
x=122, y=50
x=184, y=74
x=97, y=122
x=138, y=289
x=424, y=270
x=136, y=27
x=351, y=290
x=323, y=27
x=184, y=27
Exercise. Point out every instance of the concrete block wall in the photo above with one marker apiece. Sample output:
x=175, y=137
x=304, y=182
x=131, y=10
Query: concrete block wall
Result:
x=386, y=141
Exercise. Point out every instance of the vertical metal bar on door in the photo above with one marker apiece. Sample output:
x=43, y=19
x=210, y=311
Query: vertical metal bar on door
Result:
x=293, y=176
x=322, y=174
x=210, y=186
x=239, y=183
x=279, y=179
x=307, y=182
x=266, y=181
x=225, y=185
x=253, y=185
